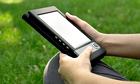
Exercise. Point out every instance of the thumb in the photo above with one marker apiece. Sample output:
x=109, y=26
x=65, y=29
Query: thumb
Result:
x=86, y=53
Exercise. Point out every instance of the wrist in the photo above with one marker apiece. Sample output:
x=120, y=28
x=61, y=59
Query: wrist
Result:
x=99, y=38
x=82, y=78
x=105, y=41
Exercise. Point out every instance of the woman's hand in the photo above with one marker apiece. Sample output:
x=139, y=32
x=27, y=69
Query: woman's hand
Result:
x=77, y=70
x=72, y=70
x=124, y=45
x=97, y=36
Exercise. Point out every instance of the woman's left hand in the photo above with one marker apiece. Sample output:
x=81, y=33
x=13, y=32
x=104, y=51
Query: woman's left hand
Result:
x=72, y=69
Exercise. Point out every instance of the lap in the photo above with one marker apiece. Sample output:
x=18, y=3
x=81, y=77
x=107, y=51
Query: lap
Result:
x=51, y=75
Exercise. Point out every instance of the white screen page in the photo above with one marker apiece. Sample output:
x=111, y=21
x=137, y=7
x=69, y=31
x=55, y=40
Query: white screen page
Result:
x=65, y=29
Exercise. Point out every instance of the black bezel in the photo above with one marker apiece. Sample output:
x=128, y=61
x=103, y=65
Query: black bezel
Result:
x=38, y=24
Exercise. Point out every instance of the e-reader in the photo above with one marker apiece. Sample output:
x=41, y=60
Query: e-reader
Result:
x=66, y=36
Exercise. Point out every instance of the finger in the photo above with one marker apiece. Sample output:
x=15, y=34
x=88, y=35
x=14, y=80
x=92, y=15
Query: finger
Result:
x=82, y=24
x=87, y=52
x=62, y=55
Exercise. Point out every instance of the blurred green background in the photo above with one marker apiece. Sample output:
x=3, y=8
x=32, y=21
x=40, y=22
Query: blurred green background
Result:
x=24, y=53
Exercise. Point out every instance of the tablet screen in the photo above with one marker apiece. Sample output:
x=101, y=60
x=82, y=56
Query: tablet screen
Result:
x=65, y=29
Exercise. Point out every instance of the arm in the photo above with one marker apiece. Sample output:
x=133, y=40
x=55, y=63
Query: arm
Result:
x=77, y=71
x=126, y=45
x=96, y=79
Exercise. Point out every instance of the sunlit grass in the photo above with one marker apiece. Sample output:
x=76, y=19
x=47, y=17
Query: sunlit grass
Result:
x=24, y=53
x=8, y=33
x=10, y=36
x=5, y=18
x=11, y=1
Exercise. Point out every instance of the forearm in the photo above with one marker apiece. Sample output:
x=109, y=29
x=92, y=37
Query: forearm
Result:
x=90, y=78
x=126, y=45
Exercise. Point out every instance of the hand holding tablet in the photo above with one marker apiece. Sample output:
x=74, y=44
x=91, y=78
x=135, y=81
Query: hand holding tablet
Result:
x=61, y=32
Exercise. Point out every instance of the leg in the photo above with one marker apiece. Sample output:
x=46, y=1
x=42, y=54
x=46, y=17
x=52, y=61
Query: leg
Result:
x=51, y=75
x=104, y=70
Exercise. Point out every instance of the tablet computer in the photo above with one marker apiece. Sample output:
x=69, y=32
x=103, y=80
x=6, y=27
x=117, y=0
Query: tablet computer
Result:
x=66, y=36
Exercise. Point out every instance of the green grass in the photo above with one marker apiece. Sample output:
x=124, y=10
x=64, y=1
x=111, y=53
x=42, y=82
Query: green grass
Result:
x=24, y=53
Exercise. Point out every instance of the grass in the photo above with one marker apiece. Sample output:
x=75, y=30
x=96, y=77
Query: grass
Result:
x=24, y=53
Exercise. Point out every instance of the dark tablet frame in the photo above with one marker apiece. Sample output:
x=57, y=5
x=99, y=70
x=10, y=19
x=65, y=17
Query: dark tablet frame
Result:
x=44, y=29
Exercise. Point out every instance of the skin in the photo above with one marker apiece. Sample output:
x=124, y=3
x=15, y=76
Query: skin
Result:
x=123, y=45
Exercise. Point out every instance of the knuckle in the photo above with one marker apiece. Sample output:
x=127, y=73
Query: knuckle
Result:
x=85, y=54
x=59, y=70
x=62, y=61
x=74, y=16
x=84, y=24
